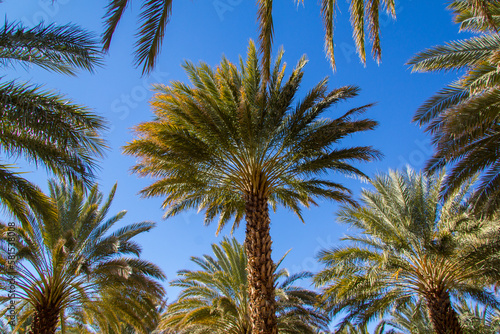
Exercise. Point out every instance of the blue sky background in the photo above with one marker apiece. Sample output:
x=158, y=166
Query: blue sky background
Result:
x=207, y=29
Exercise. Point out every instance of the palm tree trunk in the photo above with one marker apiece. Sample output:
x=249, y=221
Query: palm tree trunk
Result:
x=45, y=321
x=262, y=304
x=443, y=317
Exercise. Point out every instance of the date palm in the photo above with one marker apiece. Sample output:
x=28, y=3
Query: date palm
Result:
x=232, y=145
x=463, y=118
x=413, y=318
x=40, y=126
x=155, y=15
x=214, y=299
x=72, y=269
x=409, y=249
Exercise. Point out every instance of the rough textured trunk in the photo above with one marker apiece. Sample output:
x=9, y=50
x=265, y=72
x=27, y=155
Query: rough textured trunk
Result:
x=443, y=317
x=45, y=321
x=262, y=305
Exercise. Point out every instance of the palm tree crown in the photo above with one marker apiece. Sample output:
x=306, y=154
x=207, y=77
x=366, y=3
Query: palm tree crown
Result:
x=72, y=271
x=410, y=248
x=230, y=145
x=214, y=299
x=44, y=127
x=463, y=117
x=213, y=145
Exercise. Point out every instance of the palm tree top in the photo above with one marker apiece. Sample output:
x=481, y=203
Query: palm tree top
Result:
x=230, y=135
x=77, y=265
x=411, y=245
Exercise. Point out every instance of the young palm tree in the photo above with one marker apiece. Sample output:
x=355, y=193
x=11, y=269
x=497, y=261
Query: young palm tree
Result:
x=155, y=15
x=41, y=126
x=410, y=248
x=231, y=146
x=214, y=299
x=71, y=270
x=463, y=117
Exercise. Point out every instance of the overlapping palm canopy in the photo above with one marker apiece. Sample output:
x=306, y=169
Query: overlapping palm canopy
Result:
x=155, y=14
x=41, y=126
x=74, y=272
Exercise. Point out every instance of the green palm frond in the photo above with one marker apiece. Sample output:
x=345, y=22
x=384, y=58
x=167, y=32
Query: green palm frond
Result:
x=155, y=15
x=16, y=192
x=463, y=117
x=61, y=49
x=456, y=55
x=43, y=127
x=114, y=12
x=476, y=15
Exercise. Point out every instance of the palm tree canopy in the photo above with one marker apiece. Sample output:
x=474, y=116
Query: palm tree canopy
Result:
x=463, y=117
x=411, y=245
x=228, y=136
x=44, y=127
x=155, y=14
x=214, y=299
x=413, y=318
x=74, y=264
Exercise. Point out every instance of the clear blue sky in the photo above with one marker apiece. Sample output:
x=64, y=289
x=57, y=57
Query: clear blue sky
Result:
x=206, y=29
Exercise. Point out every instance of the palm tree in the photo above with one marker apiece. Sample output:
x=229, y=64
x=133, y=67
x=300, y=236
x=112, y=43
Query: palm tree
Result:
x=70, y=270
x=155, y=14
x=44, y=127
x=410, y=247
x=214, y=299
x=232, y=146
x=463, y=117
x=412, y=318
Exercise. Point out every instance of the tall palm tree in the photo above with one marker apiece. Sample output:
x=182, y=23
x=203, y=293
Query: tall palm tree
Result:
x=155, y=14
x=214, y=299
x=409, y=248
x=41, y=126
x=232, y=145
x=71, y=270
x=463, y=118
